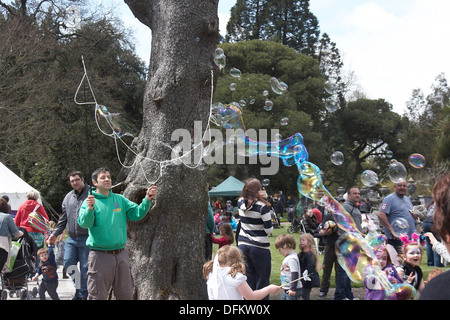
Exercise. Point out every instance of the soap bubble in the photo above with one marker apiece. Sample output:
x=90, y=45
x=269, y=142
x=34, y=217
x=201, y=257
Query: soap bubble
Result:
x=110, y=123
x=265, y=182
x=401, y=291
x=389, y=154
x=284, y=121
x=400, y=226
x=236, y=73
x=369, y=178
x=277, y=86
x=397, y=172
x=332, y=103
x=337, y=158
x=227, y=115
x=265, y=93
x=416, y=160
x=355, y=255
x=219, y=58
x=268, y=105
x=233, y=86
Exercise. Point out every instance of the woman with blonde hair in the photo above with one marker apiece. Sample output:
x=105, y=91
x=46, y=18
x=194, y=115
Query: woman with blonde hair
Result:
x=226, y=278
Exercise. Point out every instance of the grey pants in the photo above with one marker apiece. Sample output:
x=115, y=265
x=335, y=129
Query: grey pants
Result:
x=106, y=271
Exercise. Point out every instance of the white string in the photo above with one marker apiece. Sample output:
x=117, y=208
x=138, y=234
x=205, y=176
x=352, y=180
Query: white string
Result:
x=116, y=136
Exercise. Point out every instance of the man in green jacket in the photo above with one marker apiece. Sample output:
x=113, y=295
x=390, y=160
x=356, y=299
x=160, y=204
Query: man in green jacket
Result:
x=105, y=215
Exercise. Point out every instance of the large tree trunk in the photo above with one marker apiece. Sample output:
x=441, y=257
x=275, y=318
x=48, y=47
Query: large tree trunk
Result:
x=167, y=247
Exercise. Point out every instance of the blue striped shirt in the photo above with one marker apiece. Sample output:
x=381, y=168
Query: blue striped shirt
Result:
x=256, y=224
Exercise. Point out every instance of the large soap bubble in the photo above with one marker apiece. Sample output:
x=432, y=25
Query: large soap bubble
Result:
x=278, y=86
x=219, y=58
x=369, y=178
x=337, y=158
x=397, y=172
x=416, y=160
x=400, y=226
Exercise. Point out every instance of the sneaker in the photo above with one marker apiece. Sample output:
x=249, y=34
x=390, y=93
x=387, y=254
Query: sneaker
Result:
x=322, y=294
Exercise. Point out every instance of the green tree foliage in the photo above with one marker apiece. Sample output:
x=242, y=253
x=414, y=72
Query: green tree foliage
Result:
x=292, y=24
x=364, y=129
x=428, y=123
x=302, y=103
x=288, y=22
x=45, y=134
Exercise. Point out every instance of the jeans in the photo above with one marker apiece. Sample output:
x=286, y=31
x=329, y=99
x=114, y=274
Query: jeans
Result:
x=75, y=250
x=258, y=266
x=298, y=294
x=50, y=287
x=433, y=258
x=343, y=286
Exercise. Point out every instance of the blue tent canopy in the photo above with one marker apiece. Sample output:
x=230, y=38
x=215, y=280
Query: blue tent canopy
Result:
x=231, y=187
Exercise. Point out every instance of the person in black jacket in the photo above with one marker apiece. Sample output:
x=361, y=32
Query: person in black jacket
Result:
x=329, y=236
x=75, y=249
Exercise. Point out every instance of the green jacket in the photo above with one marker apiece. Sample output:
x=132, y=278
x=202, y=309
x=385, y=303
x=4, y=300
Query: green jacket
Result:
x=107, y=223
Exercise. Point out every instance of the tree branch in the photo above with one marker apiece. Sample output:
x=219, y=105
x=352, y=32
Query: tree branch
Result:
x=142, y=10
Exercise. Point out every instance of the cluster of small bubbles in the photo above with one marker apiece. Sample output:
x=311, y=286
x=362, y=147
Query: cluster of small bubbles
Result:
x=219, y=58
x=389, y=154
x=233, y=86
x=268, y=105
x=332, y=103
x=416, y=160
x=236, y=73
x=337, y=158
x=265, y=182
x=397, y=171
x=284, y=121
x=369, y=178
x=277, y=86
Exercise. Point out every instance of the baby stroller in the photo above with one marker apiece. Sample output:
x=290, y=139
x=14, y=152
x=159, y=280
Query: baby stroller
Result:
x=296, y=226
x=16, y=281
x=275, y=221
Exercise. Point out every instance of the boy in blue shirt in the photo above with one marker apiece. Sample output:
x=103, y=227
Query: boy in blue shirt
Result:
x=47, y=267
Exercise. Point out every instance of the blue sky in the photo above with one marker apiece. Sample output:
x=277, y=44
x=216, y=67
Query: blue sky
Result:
x=390, y=46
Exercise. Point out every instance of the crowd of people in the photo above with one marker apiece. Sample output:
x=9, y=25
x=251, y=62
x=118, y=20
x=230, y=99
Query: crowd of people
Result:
x=399, y=255
x=95, y=240
x=87, y=235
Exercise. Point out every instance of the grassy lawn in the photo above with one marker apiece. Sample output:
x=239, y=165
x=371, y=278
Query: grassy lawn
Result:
x=277, y=258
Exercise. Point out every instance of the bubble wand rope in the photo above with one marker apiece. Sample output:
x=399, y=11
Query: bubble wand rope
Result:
x=138, y=157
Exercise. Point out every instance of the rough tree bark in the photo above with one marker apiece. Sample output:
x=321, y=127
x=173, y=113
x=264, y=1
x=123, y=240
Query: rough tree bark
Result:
x=167, y=247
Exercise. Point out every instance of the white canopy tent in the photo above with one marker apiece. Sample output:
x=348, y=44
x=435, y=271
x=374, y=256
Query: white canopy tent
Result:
x=14, y=187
